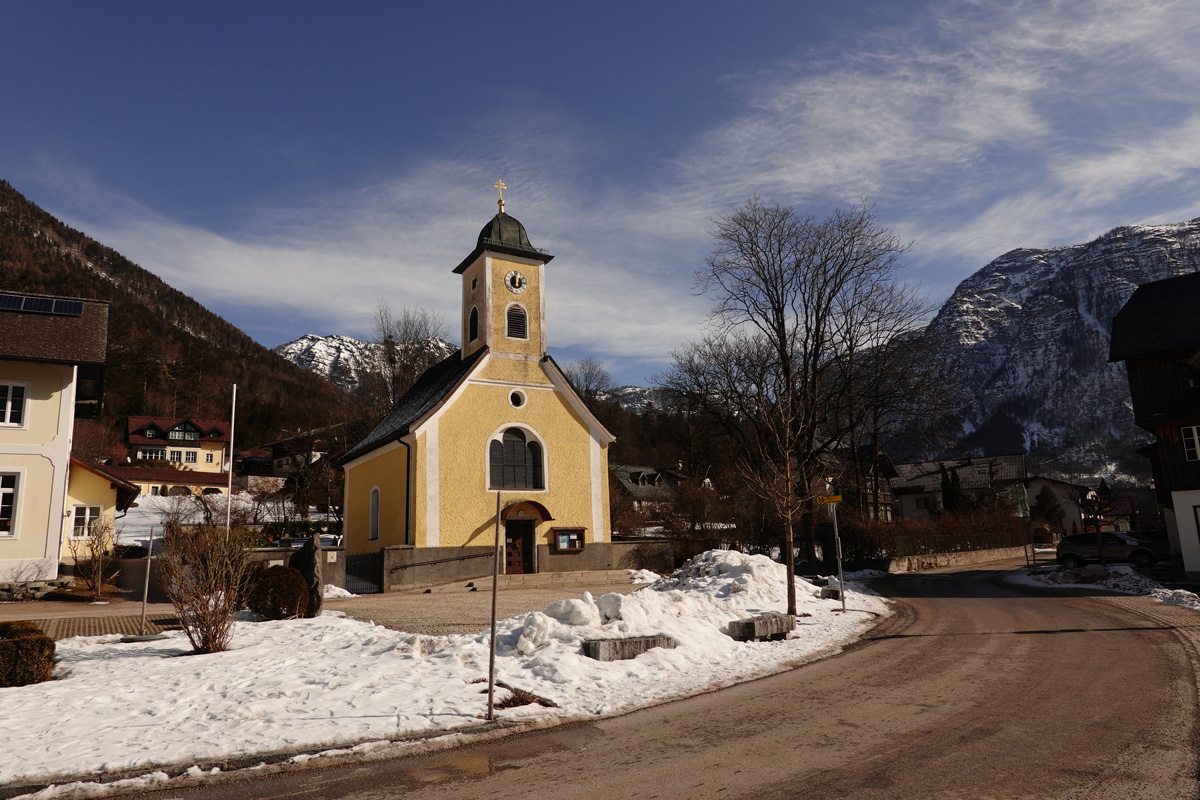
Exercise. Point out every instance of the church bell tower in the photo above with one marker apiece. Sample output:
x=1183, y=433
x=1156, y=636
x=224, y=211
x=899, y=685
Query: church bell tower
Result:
x=503, y=299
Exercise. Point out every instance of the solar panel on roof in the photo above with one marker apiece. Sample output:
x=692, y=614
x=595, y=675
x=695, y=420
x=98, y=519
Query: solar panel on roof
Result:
x=69, y=307
x=40, y=305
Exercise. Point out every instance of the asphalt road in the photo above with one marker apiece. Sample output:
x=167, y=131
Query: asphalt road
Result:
x=973, y=691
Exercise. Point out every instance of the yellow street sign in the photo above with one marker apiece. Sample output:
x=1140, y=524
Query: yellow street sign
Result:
x=822, y=499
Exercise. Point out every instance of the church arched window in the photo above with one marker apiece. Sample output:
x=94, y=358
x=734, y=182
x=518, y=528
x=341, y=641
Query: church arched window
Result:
x=517, y=323
x=473, y=325
x=515, y=461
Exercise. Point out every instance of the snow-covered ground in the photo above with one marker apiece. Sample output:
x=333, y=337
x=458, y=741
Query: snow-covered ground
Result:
x=1119, y=578
x=329, y=681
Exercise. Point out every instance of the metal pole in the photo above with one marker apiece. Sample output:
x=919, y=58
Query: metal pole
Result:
x=146, y=585
x=229, y=486
x=838, y=539
x=491, y=711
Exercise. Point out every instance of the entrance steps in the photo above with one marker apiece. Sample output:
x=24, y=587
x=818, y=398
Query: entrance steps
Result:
x=539, y=580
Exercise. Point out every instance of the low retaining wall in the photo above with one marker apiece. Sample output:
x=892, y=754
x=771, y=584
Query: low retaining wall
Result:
x=935, y=560
x=409, y=567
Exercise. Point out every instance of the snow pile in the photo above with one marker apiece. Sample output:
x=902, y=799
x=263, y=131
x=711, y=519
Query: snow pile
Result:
x=332, y=591
x=1120, y=578
x=642, y=576
x=318, y=683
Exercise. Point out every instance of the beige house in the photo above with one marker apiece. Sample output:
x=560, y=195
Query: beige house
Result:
x=166, y=453
x=52, y=354
x=95, y=499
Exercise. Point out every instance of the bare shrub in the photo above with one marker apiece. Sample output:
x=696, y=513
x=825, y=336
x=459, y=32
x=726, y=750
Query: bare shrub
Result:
x=93, y=555
x=204, y=569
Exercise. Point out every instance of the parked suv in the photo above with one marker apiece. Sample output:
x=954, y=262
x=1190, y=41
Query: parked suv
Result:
x=1074, y=550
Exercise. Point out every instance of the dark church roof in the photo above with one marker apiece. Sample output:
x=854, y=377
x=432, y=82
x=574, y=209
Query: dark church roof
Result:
x=504, y=234
x=1160, y=317
x=434, y=386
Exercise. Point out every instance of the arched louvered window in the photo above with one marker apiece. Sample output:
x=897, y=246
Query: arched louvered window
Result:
x=515, y=462
x=518, y=323
x=473, y=325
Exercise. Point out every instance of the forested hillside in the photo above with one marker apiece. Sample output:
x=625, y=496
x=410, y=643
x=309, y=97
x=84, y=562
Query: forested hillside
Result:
x=167, y=354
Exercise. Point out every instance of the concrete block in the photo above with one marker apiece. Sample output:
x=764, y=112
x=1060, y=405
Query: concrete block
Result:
x=831, y=593
x=620, y=649
x=776, y=626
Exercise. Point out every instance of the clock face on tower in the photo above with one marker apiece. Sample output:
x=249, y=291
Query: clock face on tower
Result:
x=515, y=282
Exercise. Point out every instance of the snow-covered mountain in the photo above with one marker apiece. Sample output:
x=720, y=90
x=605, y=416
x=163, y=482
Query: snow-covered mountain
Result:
x=1029, y=334
x=342, y=360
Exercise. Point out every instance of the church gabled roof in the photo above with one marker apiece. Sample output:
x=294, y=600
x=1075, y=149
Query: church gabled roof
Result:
x=504, y=234
x=434, y=385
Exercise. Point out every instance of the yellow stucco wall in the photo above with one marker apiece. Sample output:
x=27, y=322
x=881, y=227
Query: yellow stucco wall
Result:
x=474, y=298
x=86, y=488
x=37, y=452
x=388, y=471
x=36, y=487
x=467, y=505
x=530, y=300
x=43, y=395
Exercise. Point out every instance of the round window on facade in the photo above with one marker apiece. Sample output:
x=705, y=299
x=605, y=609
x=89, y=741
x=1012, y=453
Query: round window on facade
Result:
x=517, y=399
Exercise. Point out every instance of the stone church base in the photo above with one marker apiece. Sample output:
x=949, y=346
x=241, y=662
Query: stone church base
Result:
x=407, y=567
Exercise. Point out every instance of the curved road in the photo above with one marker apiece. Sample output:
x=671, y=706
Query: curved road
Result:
x=973, y=691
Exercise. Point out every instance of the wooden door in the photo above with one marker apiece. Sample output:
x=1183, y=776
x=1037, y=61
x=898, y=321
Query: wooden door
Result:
x=518, y=547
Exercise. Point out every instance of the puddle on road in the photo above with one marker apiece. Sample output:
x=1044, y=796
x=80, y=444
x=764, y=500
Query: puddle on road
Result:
x=500, y=756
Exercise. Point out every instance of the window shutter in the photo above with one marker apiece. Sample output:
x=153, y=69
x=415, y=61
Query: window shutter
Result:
x=517, y=323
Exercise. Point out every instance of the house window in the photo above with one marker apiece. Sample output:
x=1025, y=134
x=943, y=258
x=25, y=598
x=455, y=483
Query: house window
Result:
x=86, y=518
x=923, y=504
x=518, y=323
x=515, y=462
x=189, y=457
x=373, y=535
x=473, y=325
x=8, y=503
x=153, y=454
x=155, y=491
x=1191, y=443
x=184, y=433
x=1184, y=375
x=151, y=433
x=568, y=540
x=208, y=458
x=12, y=404
x=176, y=456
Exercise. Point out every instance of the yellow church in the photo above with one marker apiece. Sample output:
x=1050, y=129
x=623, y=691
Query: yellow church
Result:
x=498, y=416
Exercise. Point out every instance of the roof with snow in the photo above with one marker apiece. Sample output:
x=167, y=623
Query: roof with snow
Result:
x=1160, y=317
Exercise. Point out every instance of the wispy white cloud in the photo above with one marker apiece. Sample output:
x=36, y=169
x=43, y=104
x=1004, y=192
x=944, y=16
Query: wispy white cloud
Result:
x=975, y=128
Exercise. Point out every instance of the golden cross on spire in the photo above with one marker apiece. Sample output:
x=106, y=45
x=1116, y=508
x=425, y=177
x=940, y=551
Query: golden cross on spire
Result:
x=500, y=185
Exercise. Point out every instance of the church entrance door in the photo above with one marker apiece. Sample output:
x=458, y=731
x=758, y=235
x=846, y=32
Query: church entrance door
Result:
x=518, y=546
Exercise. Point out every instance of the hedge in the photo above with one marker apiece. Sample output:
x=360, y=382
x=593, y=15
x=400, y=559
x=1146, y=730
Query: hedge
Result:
x=26, y=654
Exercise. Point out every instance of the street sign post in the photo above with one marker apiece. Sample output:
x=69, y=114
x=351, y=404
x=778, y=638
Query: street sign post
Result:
x=832, y=500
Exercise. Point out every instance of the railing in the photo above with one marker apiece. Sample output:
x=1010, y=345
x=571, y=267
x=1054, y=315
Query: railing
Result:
x=439, y=561
x=502, y=243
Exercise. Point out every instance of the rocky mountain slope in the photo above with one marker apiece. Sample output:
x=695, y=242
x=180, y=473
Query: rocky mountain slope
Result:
x=343, y=360
x=1028, y=339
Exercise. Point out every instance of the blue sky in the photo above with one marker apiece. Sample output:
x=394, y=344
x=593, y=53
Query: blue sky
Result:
x=288, y=164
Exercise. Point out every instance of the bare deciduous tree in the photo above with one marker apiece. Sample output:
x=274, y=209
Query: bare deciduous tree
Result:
x=773, y=371
x=590, y=379
x=204, y=568
x=406, y=349
x=92, y=554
